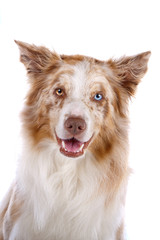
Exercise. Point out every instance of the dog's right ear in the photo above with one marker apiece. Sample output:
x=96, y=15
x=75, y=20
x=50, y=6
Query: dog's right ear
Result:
x=36, y=59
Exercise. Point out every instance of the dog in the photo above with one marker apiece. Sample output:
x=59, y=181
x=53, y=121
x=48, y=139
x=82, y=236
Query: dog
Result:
x=73, y=171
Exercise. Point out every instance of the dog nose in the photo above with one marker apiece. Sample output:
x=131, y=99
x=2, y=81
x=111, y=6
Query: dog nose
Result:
x=75, y=125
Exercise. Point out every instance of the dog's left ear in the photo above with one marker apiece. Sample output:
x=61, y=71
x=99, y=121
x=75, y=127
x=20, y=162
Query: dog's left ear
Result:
x=130, y=70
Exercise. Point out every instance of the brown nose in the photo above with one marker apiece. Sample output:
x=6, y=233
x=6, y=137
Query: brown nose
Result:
x=75, y=125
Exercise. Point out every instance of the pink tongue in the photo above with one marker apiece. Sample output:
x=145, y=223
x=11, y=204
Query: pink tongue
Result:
x=72, y=145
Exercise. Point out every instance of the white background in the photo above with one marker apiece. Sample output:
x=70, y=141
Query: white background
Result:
x=101, y=29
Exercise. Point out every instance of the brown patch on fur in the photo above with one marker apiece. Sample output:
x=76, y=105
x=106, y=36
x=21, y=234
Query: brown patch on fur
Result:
x=101, y=146
x=37, y=124
x=72, y=60
x=35, y=117
x=118, y=103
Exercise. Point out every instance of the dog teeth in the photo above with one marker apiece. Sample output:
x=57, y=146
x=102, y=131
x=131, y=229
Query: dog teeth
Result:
x=63, y=144
x=81, y=147
x=64, y=147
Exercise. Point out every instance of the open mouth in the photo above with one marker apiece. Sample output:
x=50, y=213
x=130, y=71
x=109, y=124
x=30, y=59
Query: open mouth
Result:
x=72, y=147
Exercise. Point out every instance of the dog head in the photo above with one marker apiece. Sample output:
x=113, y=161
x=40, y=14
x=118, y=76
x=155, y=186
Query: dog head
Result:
x=76, y=101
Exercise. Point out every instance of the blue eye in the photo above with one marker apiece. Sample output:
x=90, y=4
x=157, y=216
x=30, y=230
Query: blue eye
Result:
x=98, y=97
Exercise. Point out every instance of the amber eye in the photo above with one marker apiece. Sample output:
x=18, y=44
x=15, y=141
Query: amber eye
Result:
x=59, y=92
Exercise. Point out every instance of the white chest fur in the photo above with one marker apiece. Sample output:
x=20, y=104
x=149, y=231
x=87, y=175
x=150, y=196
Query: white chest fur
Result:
x=61, y=200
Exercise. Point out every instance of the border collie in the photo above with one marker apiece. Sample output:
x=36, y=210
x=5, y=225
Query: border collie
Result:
x=73, y=171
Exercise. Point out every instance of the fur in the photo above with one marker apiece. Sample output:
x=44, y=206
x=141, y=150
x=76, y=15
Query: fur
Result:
x=63, y=194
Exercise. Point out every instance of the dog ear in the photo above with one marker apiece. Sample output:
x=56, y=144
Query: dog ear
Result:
x=130, y=70
x=36, y=59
